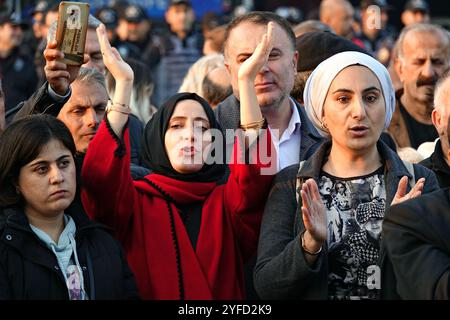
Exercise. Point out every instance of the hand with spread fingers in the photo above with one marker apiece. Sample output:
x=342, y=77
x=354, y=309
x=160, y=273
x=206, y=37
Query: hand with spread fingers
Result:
x=59, y=75
x=314, y=217
x=401, y=194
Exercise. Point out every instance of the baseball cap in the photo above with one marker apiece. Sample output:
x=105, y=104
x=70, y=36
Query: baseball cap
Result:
x=108, y=16
x=134, y=13
x=177, y=2
x=417, y=5
x=15, y=19
x=41, y=6
x=364, y=4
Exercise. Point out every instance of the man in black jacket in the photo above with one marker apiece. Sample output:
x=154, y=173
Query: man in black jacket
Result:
x=16, y=65
x=439, y=161
x=417, y=236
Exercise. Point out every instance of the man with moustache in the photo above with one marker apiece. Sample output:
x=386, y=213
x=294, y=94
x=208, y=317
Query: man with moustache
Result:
x=422, y=58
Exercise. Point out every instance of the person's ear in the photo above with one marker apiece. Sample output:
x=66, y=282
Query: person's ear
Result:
x=16, y=187
x=399, y=68
x=436, y=119
x=227, y=66
x=295, y=61
x=324, y=123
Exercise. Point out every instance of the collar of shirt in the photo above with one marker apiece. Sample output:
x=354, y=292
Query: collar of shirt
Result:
x=293, y=126
x=288, y=146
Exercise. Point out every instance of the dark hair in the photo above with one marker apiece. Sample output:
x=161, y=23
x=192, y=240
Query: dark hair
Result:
x=21, y=143
x=299, y=85
x=261, y=18
x=215, y=93
x=339, y=183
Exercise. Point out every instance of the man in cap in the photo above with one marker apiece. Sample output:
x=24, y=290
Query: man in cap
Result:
x=16, y=65
x=109, y=17
x=38, y=15
x=415, y=11
x=135, y=28
x=181, y=47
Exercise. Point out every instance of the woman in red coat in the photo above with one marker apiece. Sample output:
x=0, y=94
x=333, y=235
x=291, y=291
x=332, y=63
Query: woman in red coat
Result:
x=186, y=236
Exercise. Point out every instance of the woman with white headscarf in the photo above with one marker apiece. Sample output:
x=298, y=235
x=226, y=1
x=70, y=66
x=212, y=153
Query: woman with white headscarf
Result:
x=321, y=231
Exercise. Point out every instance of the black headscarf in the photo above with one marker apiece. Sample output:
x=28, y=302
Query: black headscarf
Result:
x=154, y=154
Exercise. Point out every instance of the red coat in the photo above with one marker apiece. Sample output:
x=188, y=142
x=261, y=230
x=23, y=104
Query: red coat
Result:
x=229, y=229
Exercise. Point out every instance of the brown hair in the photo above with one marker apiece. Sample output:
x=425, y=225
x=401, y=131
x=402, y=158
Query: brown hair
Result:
x=259, y=18
x=21, y=143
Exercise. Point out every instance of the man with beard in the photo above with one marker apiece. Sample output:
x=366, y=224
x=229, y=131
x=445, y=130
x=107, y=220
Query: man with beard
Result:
x=422, y=58
x=292, y=134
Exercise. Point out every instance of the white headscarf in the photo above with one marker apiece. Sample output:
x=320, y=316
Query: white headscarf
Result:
x=319, y=82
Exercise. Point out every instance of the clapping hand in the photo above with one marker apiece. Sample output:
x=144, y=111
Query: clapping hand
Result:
x=314, y=215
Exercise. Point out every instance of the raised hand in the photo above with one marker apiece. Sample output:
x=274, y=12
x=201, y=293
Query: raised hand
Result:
x=58, y=74
x=401, y=194
x=314, y=216
x=119, y=69
x=250, y=67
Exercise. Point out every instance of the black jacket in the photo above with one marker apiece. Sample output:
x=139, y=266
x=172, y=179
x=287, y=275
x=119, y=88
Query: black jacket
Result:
x=40, y=102
x=19, y=77
x=281, y=270
x=29, y=270
x=417, y=237
x=436, y=163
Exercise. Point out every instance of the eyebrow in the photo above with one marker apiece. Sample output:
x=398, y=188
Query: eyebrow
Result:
x=351, y=91
x=196, y=118
x=37, y=162
x=248, y=54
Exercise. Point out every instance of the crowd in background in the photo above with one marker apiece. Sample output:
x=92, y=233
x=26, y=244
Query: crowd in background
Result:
x=354, y=114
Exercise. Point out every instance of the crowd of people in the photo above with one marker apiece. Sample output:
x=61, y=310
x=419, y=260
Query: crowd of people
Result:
x=256, y=158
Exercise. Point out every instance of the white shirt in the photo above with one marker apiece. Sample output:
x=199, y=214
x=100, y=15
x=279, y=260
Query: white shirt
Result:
x=288, y=146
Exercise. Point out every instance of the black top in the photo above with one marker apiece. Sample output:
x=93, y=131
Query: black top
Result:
x=418, y=132
x=191, y=214
x=29, y=270
x=436, y=162
x=153, y=151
